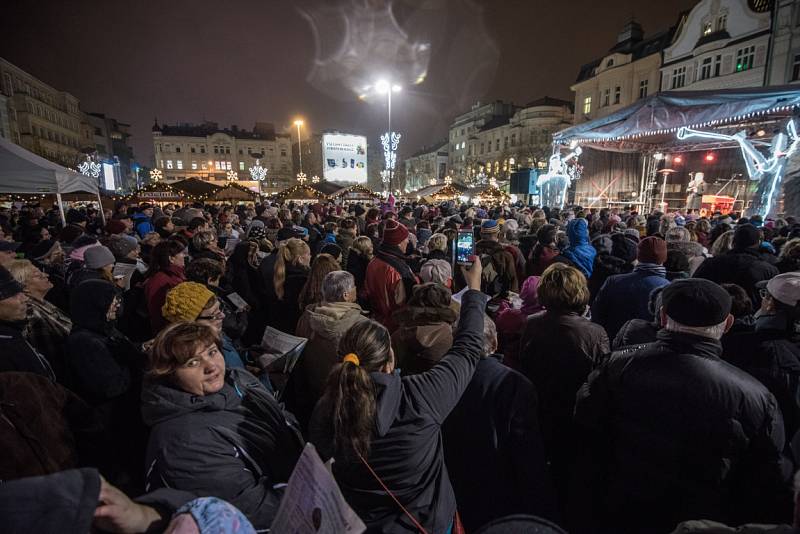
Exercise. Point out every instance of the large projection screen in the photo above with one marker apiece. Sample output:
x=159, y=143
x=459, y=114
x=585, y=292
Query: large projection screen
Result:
x=344, y=158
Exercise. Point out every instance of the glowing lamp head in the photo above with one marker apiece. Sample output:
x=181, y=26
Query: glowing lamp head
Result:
x=382, y=86
x=711, y=157
x=678, y=159
x=658, y=156
x=298, y=122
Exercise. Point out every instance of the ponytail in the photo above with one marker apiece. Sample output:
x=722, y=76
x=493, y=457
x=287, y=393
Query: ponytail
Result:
x=350, y=392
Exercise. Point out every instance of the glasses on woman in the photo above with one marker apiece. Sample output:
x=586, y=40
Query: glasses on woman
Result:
x=763, y=292
x=219, y=314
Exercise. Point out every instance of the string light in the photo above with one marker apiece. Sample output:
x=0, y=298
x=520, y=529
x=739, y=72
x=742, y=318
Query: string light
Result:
x=257, y=172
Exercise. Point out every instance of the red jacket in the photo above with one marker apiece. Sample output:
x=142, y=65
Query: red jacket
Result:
x=385, y=292
x=155, y=292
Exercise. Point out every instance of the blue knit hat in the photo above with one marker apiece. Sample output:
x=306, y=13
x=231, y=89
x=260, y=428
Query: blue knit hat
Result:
x=215, y=516
x=490, y=227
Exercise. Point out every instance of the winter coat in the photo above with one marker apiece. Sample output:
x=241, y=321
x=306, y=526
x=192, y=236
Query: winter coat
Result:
x=635, y=332
x=694, y=251
x=626, y=296
x=671, y=432
x=772, y=356
x=236, y=444
x=496, y=422
x=47, y=330
x=45, y=427
x=16, y=354
x=345, y=240
x=142, y=224
x=156, y=288
x=541, y=258
x=557, y=353
x=385, y=290
x=605, y=266
x=284, y=313
x=743, y=267
x=423, y=336
x=323, y=324
x=406, y=449
x=357, y=266
x=579, y=251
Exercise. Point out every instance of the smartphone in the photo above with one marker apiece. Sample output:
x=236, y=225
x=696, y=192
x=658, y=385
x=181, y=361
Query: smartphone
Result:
x=465, y=247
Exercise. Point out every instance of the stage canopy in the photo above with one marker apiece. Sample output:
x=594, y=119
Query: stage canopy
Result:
x=652, y=123
x=23, y=172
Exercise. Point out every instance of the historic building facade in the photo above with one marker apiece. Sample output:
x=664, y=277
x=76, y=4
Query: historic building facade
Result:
x=426, y=165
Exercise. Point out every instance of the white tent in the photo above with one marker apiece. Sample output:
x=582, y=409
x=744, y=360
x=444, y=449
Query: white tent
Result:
x=23, y=172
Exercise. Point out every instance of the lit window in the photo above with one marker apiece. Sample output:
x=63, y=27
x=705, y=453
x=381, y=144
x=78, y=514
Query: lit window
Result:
x=203, y=166
x=241, y=165
x=169, y=163
x=705, y=69
x=180, y=163
x=796, y=68
x=227, y=165
x=617, y=94
x=194, y=165
x=744, y=58
x=643, y=88
x=218, y=165
x=707, y=28
x=587, y=106
x=678, y=77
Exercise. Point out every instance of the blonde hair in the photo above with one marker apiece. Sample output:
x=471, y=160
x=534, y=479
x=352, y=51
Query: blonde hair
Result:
x=437, y=241
x=21, y=270
x=790, y=249
x=363, y=246
x=289, y=252
x=722, y=244
x=563, y=289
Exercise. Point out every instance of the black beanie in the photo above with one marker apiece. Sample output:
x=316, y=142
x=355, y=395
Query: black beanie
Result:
x=696, y=302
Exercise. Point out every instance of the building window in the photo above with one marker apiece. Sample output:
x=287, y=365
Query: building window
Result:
x=513, y=139
x=587, y=107
x=705, y=69
x=169, y=163
x=722, y=23
x=283, y=152
x=191, y=149
x=227, y=150
x=643, y=88
x=707, y=28
x=216, y=149
x=240, y=151
x=180, y=163
x=796, y=68
x=241, y=165
x=177, y=149
x=609, y=63
x=203, y=166
x=744, y=58
x=194, y=165
x=227, y=165
x=606, y=97
x=617, y=94
x=481, y=148
x=497, y=144
x=679, y=77
x=218, y=165
x=505, y=142
x=202, y=150
x=717, y=65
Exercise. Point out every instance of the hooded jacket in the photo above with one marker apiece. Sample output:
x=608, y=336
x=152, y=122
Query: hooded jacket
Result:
x=425, y=335
x=323, y=324
x=406, y=450
x=236, y=444
x=579, y=251
x=671, y=432
x=156, y=288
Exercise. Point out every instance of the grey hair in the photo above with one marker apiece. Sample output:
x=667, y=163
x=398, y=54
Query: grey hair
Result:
x=712, y=332
x=336, y=284
x=437, y=241
x=201, y=240
x=489, y=336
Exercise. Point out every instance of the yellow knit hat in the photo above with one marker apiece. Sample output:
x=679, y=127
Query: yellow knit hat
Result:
x=185, y=302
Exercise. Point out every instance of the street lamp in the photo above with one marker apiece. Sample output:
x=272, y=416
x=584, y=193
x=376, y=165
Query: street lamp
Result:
x=299, y=123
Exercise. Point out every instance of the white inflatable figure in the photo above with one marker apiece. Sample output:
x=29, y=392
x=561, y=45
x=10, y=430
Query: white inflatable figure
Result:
x=553, y=186
x=767, y=170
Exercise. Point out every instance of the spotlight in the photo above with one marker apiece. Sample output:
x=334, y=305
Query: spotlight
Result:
x=761, y=133
x=678, y=159
x=710, y=157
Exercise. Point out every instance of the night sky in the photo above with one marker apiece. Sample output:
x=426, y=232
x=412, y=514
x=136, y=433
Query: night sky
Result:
x=235, y=62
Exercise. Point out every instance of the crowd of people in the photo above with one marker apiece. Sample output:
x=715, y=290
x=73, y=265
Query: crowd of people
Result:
x=591, y=370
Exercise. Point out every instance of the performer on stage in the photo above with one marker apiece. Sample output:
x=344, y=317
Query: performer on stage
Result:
x=696, y=189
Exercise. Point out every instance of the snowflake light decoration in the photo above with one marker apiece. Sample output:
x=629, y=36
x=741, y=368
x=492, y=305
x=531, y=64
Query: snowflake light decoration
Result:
x=315, y=179
x=257, y=172
x=301, y=178
x=390, y=140
x=448, y=180
x=233, y=175
x=492, y=182
x=89, y=168
x=433, y=181
x=155, y=175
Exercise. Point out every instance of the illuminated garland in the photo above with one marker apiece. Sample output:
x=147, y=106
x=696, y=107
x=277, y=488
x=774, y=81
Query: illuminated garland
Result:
x=356, y=188
x=289, y=191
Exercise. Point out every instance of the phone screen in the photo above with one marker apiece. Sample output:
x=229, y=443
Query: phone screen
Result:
x=464, y=247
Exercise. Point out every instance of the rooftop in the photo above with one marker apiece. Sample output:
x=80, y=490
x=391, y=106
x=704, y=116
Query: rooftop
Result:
x=261, y=130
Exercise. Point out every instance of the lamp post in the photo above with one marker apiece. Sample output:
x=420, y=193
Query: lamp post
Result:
x=299, y=123
x=386, y=87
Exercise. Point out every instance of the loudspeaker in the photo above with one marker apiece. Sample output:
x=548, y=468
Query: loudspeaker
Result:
x=524, y=182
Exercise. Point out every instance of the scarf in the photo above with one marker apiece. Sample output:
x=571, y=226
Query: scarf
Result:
x=651, y=269
x=397, y=261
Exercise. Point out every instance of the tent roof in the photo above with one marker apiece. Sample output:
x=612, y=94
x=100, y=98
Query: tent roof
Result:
x=196, y=188
x=234, y=191
x=655, y=120
x=22, y=171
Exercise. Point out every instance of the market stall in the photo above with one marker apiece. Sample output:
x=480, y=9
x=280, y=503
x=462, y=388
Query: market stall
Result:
x=741, y=141
x=234, y=192
x=440, y=192
x=354, y=193
x=301, y=193
x=24, y=173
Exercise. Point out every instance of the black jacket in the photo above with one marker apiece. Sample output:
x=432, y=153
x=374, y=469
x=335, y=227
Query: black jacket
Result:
x=771, y=356
x=496, y=421
x=743, y=267
x=635, y=332
x=406, y=449
x=671, y=433
x=605, y=265
x=16, y=354
x=223, y=445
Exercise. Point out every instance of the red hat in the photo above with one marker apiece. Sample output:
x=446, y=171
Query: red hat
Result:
x=652, y=250
x=115, y=227
x=394, y=233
